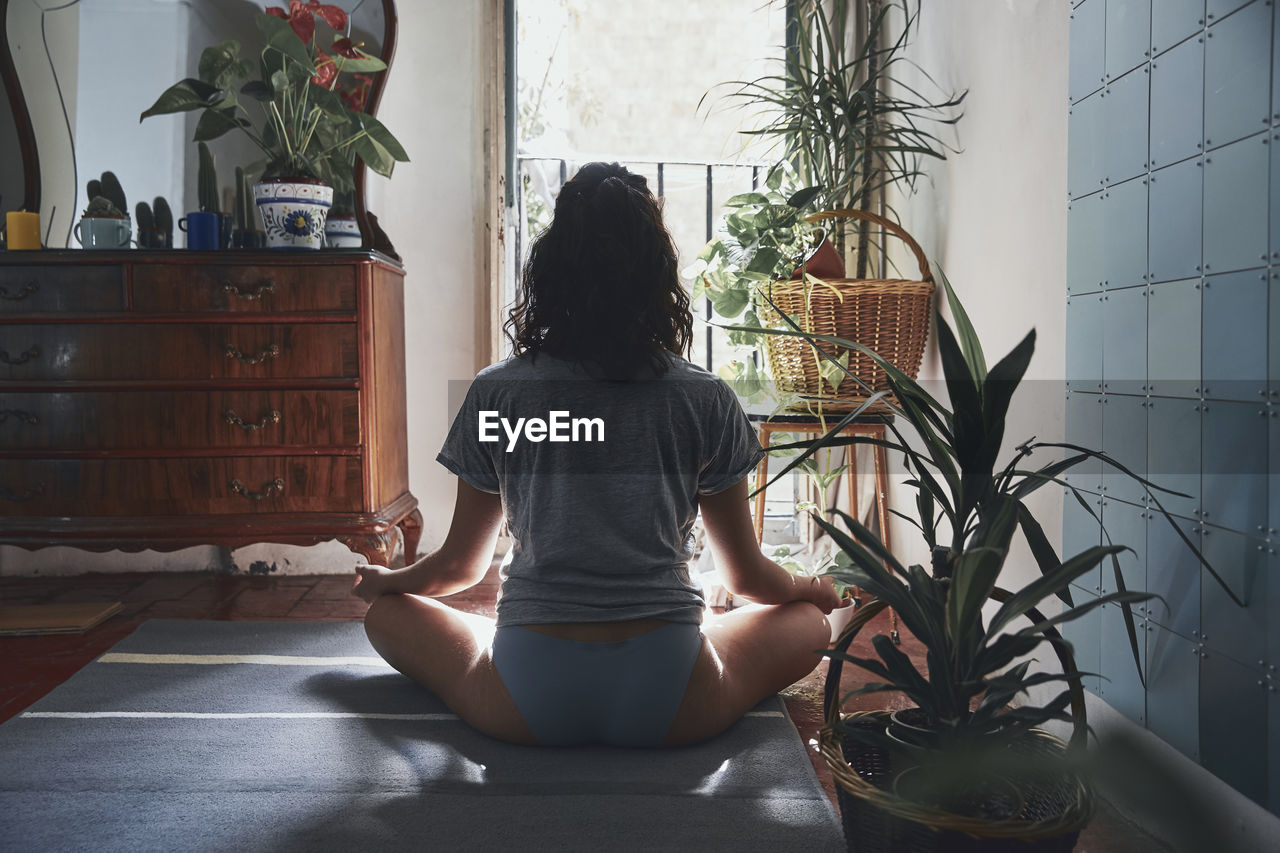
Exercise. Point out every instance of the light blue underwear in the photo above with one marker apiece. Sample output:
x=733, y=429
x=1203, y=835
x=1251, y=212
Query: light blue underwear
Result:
x=621, y=694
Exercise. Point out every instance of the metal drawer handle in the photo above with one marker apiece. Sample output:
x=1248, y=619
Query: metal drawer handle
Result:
x=18, y=415
x=34, y=352
x=272, y=351
x=271, y=417
x=276, y=485
x=30, y=288
x=266, y=287
x=11, y=497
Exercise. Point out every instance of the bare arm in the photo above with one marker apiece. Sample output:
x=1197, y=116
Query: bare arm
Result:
x=744, y=570
x=459, y=563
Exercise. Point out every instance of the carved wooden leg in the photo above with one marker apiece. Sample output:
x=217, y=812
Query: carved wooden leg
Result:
x=411, y=527
x=376, y=548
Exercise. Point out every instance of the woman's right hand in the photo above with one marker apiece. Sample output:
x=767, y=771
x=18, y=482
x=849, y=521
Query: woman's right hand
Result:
x=821, y=592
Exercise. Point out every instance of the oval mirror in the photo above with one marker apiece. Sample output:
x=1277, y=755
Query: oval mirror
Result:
x=78, y=73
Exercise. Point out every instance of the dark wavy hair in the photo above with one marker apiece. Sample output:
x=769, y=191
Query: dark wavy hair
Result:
x=600, y=286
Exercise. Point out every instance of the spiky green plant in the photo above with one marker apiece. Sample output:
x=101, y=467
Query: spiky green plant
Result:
x=100, y=205
x=207, y=180
x=143, y=216
x=241, y=206
x=111, y=189
x=970, y=506
x=831, y=109
x=163, y=214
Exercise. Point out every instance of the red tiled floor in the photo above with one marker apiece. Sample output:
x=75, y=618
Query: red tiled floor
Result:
x=32, y=666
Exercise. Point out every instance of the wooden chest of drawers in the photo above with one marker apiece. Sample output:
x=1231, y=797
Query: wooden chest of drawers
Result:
x=166, y=399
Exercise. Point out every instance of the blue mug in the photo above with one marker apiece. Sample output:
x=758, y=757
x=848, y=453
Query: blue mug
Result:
x=204, y=232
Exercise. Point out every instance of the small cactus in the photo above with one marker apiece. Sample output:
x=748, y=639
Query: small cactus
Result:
x=94, y=188
x=242, y=221
x=111, y=189
x=143, y=217
x=100, y=205
x=163, y=215
x=207, y=181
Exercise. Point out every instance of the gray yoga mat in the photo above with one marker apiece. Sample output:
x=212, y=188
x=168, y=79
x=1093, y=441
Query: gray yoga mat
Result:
x=346, y=754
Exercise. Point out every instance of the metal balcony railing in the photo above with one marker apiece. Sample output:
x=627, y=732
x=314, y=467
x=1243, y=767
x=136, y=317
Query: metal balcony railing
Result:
x=692, y=193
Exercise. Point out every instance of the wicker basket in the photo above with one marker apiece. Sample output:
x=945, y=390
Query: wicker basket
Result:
x=876, y=820
x=891, y=316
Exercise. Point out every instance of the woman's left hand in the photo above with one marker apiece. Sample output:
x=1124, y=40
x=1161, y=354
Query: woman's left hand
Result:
x=371, y=582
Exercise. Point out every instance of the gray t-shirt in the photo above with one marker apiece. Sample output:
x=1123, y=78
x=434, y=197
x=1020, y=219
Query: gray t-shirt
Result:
x=599, y=483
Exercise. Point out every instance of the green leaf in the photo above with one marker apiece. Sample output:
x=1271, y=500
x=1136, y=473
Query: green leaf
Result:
x=258, y=90
x=1003, y=380
x=214, y=123
x=801, y=198
x=745, y=199
x=1072, y=613
x=730, y=302
x=282, y=38
x=183, y=96
x=961, y=382
x=374, y=155
x=219, y=63
x=383, y=137
x=964, y=327
x=1046, y=558
x=1045, y=585
x=766, y=260
x=366, y=64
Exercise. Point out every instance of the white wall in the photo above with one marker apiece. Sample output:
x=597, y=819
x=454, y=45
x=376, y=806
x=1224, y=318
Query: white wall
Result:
x=433, y=210
x=994, y=216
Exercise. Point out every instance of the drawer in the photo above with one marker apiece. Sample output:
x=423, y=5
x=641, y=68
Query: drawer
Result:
x=167, y=487
x=122, y=351
x=141, y=420
x=181, y=288
x=61, y=289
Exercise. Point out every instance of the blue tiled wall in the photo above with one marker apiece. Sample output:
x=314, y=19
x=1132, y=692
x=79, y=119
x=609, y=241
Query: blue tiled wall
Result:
x=1173, y=363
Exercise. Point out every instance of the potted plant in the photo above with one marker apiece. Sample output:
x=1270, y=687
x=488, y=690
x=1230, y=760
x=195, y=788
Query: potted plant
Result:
x=963, y=765
x=245, y=234
x=837, y=113
x=762, y=237
x=207, y=195
x=105, y=224
x=308, y=131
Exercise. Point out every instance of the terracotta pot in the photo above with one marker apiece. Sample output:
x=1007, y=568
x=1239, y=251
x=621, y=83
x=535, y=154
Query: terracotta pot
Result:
x=823, y=262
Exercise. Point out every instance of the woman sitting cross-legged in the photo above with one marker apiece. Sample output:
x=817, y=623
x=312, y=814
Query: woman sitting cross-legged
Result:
x=599, y=444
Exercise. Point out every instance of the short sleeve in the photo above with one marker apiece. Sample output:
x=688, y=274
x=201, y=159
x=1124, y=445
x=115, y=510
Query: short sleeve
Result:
x=733, y=451
x=463, y=453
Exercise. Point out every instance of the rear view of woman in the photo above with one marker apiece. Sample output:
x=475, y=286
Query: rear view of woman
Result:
x=599, y=444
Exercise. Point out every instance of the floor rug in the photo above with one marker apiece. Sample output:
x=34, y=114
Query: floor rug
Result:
x=205, y=735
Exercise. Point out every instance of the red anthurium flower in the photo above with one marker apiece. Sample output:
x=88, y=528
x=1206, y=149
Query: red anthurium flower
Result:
x=326, y=69
x=277, y=12
x=356, y=97
x=331, y=15
x=302, y=19
x=345, y=47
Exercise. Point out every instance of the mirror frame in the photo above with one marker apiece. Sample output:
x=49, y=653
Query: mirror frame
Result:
x=371, y=234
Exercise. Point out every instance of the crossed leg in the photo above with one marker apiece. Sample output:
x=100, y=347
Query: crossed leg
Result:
x=747, y=655
x=448, y=652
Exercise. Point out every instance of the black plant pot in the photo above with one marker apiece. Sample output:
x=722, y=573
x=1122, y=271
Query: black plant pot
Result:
x=245, y=239
x=155, y=238
x=910, y=732
x=938, y=561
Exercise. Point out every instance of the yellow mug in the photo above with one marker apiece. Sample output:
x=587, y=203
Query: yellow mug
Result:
x=22, y=230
